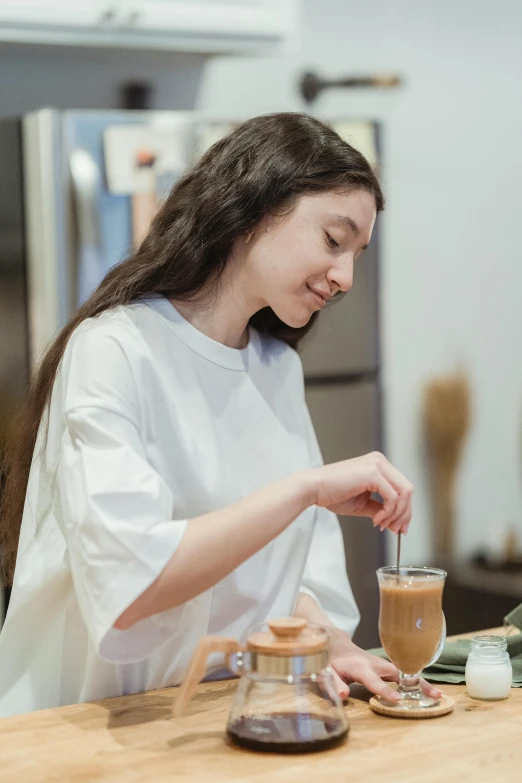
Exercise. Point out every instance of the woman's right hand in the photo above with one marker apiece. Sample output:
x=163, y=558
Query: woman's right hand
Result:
x=346, y=488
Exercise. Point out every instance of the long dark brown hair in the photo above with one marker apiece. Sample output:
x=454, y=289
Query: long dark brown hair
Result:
x=261, y=167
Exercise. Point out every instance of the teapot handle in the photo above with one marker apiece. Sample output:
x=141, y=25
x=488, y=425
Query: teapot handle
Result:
x=197, y=668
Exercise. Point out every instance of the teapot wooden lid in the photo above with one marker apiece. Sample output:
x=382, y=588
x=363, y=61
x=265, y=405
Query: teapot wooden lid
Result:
x=289, y=636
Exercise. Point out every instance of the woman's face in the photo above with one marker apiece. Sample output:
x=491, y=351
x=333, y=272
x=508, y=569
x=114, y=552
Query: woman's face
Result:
x=299, y=261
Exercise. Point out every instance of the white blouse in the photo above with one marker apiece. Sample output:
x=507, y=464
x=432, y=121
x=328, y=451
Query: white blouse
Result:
x=152, y=423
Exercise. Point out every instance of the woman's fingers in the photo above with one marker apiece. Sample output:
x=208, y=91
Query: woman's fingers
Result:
x=391, y=673
x=370, y=509
x=388, y=494
x=367, y=509
x=375, y=674
x=342, y=687
x=429, y=689
x=401, y=524
x=387, y=671
x=400, y=518
x=346, y=487
x=374, y=684
x=378, y=686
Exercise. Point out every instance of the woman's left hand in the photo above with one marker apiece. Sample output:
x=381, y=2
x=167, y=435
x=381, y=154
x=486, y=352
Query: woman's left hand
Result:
x=352, y=664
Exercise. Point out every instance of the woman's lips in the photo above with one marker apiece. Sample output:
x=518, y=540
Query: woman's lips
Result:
x=318, y=298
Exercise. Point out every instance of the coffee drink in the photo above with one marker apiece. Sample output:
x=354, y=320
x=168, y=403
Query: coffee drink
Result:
x=410, y=621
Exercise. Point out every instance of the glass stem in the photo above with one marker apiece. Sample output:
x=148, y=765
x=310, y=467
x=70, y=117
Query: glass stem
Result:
x=409, y=683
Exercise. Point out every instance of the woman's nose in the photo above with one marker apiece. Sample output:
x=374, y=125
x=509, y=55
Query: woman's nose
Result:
x=342, y=275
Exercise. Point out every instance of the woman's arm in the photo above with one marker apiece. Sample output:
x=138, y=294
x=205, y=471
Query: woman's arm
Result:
x=214, y=544
x=310, y=611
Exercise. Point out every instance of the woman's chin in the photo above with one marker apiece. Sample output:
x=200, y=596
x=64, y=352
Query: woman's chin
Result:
x=295, y=320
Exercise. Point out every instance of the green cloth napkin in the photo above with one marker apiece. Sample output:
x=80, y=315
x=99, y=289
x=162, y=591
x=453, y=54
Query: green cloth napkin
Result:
x=451, y=664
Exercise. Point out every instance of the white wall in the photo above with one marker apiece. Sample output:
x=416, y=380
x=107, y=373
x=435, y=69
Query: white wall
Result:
x=452, y=271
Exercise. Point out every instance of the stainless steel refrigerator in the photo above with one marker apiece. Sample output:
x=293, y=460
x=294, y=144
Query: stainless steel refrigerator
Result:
x=341, y=363
x=70, y=196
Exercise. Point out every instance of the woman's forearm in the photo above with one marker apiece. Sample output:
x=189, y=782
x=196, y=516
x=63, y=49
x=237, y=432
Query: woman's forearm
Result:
x=307, y=608
x=215, y=544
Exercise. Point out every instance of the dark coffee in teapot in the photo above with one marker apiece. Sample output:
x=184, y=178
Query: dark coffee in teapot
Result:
x=287, y=732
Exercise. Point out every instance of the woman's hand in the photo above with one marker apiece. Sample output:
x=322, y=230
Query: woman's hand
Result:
x=346, y=487
x=351, y=664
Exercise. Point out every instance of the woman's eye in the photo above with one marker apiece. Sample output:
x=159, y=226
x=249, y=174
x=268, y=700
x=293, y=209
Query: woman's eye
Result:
x=330, y=241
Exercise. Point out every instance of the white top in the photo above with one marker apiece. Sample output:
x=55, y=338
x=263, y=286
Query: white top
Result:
x=152, y=423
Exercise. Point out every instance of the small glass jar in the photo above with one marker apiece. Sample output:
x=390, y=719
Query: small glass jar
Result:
x=488, y=668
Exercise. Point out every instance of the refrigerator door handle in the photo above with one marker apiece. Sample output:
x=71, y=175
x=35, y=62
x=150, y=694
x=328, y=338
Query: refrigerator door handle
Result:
x=88, y=269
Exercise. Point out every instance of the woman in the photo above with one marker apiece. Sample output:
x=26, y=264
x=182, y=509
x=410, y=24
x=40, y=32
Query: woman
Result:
x=176, y=486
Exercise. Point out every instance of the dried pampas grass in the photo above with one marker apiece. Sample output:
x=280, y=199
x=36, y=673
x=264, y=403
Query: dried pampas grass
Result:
x=447, y=416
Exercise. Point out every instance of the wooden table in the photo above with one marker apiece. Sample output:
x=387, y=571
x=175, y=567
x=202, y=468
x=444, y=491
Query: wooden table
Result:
x=134, y=738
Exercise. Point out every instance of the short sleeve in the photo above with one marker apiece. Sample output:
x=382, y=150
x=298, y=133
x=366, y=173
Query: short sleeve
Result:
x=115, y=509
x=325, y=578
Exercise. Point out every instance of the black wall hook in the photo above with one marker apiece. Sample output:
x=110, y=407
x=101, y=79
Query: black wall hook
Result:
x=311, y=84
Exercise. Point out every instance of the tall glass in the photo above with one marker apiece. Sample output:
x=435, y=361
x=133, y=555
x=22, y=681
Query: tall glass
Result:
x=412, y=627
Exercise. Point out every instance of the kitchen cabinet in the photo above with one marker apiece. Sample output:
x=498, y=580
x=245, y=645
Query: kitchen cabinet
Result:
x=51, y=14
x=206, y=26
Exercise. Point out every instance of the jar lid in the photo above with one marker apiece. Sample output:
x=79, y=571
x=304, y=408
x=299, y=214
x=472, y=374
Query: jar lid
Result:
x=489, y=645
x=289, y=636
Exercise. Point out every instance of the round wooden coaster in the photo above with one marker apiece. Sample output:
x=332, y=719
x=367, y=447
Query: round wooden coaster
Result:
x=446, y=705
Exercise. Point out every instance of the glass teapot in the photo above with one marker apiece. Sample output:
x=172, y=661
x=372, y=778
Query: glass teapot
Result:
x=286, y=700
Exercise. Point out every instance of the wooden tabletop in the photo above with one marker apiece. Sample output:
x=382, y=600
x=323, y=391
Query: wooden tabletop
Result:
x=133, y=739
